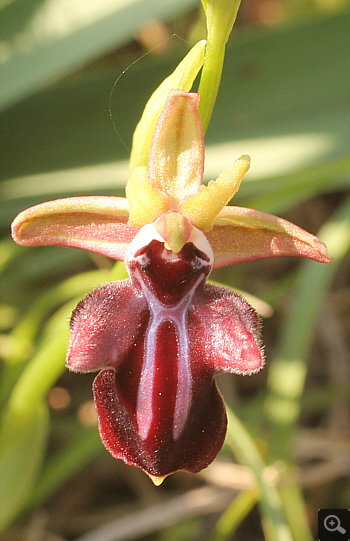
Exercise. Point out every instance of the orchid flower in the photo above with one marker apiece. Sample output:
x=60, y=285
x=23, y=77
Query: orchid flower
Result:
x=159, y=337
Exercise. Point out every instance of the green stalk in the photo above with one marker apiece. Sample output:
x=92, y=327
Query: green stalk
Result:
x=243, y=446
x=210, y=82
x=235, y=513
x=220, y=15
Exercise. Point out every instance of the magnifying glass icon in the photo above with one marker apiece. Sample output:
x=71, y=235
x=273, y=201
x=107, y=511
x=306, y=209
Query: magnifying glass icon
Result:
x=332, y=524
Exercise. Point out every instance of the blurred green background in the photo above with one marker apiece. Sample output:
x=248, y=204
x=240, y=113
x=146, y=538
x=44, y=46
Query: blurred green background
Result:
x=75, y=77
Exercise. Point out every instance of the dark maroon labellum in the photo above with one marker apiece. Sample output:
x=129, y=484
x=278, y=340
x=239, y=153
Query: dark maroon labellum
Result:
x=159, y=339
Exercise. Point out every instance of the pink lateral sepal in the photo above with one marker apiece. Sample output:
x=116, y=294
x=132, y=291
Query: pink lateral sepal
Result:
x=96, y=223
x=241, y=234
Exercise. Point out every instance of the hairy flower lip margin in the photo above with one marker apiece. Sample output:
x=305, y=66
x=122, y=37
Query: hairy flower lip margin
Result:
x=158, y=356
x=219, y=333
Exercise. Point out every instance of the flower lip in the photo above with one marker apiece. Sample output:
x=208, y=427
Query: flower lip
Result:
x=160, y=273
x=169, y=277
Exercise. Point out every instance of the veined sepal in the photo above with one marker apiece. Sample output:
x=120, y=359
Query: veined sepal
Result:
x=95, y=223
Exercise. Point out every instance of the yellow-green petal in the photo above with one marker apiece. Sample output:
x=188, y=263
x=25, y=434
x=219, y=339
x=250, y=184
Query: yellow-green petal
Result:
x=182, y=78
x=202, y=208
x=146, y=203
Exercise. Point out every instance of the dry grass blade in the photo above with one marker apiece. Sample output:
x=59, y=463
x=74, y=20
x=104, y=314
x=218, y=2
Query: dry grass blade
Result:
x=201, y=501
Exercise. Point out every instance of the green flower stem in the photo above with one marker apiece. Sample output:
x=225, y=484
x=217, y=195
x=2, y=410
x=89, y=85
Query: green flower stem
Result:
x=210, y=82
x=220, y=15
x=243, y=446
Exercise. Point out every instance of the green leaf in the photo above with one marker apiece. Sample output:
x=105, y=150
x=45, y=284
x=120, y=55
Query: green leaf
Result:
x=288, y=370
x=65, y=463
x=23, y=335
x=20, y=462
x=24, y=425
x=244, y=448
x=58, y=40
x=44, y=368
x=235, y=514
x=275, y=195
